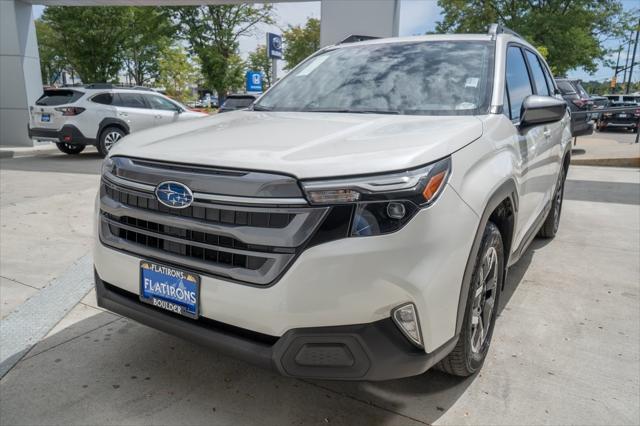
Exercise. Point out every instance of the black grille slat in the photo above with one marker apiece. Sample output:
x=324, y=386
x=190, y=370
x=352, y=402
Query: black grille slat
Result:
x=209, y=214
x=216, y=256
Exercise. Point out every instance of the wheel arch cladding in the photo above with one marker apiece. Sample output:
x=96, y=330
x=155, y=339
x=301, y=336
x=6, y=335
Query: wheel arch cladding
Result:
x=500, y=208
x=112, y=122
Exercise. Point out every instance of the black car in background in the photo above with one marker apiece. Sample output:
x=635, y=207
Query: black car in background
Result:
x=234, y=102
x=626, y=119
x=579, y=103
x=599, y=103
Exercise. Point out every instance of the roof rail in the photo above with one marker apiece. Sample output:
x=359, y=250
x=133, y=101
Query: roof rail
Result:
x=495, y=29
x=356, y=38
x=116, y=86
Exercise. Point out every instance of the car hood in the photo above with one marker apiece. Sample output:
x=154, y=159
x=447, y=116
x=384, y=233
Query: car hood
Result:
x=303, y=144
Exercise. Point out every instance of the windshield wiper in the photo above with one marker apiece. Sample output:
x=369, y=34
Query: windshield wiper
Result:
x=352, y=111
x=261, y=108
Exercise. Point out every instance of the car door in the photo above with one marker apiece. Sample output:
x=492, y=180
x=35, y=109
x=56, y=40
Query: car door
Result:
x=549, y=150
x=529, y=141
x=164, y=111
x=133, y=109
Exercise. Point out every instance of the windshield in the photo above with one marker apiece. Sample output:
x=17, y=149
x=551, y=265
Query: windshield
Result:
x=239, y=102
x=423, y=78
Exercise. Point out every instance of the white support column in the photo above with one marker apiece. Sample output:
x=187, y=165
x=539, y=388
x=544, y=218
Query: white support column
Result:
x=340, y=19
x=20, y=79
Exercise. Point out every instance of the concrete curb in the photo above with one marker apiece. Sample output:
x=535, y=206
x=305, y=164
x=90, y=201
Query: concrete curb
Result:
x=607, y=162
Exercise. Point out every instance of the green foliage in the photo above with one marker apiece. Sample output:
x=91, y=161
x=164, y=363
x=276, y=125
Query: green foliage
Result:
x=92, y=39
x=300, y=42
x=149, y=34
x=52, y=60
x=176, y=73
x=258, y=61
x=213, y=33
x=571, y=32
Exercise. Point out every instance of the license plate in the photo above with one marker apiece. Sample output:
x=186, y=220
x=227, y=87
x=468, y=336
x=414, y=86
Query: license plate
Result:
x=622, y=115
x=169, y=288
x=45, y=118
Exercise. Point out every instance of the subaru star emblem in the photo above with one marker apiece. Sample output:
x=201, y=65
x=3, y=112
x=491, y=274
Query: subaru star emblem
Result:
x=174, y=195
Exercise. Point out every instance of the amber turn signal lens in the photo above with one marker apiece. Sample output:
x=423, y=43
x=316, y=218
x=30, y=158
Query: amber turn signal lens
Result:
x=433, y=186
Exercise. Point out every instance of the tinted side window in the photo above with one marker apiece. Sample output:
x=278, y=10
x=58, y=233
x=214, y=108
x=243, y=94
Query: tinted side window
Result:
x=565, y=87
x=547, y=74
x=538, y=74
x=518, y=82
x=157, y=102
x=103, y=98
x=129, y=100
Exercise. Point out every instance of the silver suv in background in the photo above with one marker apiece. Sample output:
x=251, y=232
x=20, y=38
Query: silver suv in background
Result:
x=100, y=115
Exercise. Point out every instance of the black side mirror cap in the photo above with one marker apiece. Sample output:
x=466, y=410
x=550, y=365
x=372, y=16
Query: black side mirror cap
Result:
x=541, y=109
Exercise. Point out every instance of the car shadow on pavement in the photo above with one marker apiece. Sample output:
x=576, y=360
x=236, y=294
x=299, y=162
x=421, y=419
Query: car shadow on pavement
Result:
x=56, y=162
x=110, y=370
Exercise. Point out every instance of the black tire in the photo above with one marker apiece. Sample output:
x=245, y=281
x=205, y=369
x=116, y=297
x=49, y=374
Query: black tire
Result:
x=71, y=149
x=106, y=139
x=469, y=354
x=552, y=222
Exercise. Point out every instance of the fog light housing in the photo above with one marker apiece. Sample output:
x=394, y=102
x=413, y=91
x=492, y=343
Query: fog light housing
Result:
x=406, y=318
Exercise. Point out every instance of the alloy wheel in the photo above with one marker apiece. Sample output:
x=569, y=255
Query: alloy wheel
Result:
x=482, y=310
x=111, y=138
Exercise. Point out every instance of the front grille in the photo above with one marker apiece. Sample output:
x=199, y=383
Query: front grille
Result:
x=209, y=214
x=154, y=236
x=248, y=243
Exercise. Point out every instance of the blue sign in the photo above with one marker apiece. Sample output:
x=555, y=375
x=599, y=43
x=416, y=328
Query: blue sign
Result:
x=274, y=46
x=254, y=81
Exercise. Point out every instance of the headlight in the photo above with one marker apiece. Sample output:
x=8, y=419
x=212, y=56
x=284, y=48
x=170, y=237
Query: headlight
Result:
x=382, y=203
x=107, y=166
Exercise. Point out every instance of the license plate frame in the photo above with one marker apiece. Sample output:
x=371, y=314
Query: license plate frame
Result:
x=156, y=281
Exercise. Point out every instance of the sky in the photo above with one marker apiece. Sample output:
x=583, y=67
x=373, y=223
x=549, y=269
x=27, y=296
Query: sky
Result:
x=416, y=17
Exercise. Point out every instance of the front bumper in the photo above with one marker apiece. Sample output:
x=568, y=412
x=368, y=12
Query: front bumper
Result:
x=373, y=351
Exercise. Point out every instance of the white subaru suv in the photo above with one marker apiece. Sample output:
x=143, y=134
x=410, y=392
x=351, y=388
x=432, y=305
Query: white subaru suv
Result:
x=100, y=115
x=357, y=222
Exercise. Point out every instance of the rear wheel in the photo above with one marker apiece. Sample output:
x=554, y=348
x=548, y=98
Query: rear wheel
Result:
x=482, y=305
x=71, y=149
x=552, y=222
x=108, y=138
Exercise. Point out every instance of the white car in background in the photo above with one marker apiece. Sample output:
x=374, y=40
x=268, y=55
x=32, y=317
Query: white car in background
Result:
x=100, y=115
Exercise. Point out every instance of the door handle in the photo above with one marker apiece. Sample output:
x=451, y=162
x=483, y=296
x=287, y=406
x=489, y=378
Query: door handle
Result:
x=157, y=116
x=547, y=133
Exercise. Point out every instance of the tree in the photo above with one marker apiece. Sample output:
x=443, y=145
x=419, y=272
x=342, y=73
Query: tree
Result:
x=258, y=61
x=149, y=33
x=91, y=38
x=213, y=33
x=52, y=60
x=300, y=42
x=176, y=73
x=572, y=32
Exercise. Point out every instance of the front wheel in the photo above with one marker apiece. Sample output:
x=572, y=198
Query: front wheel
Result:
x=71, y=149
x=108, y=138
x=482, y=306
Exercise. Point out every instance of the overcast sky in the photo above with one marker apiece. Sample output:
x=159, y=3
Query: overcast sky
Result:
x=416, y=17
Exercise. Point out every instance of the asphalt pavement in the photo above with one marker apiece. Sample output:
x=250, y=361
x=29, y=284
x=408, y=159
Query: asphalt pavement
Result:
x=566, y=348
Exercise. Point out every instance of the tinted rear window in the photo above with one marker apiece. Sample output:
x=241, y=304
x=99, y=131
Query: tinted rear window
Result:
x=103, y=98
x=59, y=97
x=632, y=99
x=237, y=102
x=565, y=87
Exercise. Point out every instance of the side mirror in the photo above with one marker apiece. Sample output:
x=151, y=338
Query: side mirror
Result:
x=541, y=109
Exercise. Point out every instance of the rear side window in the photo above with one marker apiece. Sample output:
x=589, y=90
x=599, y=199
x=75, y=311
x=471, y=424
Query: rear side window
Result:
x=158, y=102
x=518, y=83
x=103, y=98
x=129, y=100
x=631, y=99
x=565, y=87
x=538, y=74
x=59, y=97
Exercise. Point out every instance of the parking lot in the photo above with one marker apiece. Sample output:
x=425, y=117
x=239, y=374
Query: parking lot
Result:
x=566, y=347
